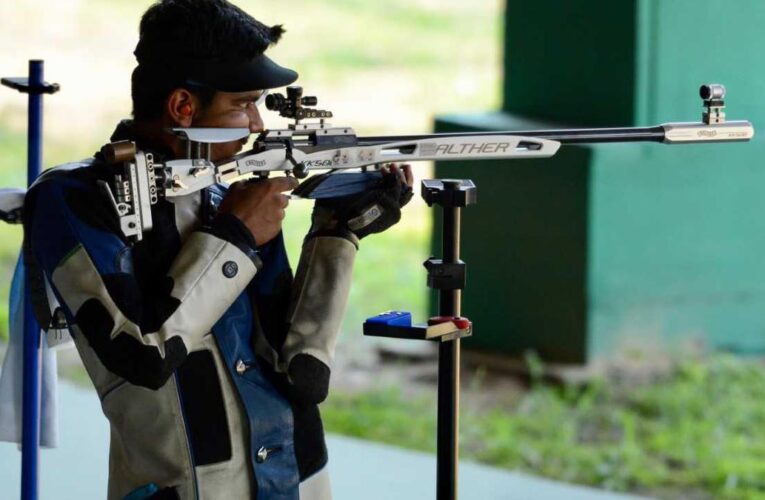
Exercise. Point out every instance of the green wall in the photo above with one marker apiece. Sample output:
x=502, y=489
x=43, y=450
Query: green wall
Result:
x=607, y=246
x=570, y=61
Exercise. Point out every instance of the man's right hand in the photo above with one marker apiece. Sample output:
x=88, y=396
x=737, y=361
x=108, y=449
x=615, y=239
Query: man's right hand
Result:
x=259, y=205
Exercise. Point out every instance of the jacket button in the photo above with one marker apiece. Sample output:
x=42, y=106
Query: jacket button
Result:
x=241, y=367
x=261, y=455
x=230, y=269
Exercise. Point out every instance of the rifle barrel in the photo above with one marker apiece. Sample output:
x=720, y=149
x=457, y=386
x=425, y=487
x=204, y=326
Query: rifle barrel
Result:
x=573, y=136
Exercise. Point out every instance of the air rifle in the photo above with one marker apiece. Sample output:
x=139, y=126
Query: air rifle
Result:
x=311, y=143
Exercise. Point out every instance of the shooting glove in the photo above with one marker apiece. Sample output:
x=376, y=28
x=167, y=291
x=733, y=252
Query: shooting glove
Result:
x=323, y=278
x=375, y=207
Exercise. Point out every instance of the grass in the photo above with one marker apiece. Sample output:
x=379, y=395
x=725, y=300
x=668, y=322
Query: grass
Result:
x=699, y=433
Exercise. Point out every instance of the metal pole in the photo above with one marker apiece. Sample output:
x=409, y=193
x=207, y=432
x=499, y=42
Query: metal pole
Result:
x=448, y=365
x=30, y=434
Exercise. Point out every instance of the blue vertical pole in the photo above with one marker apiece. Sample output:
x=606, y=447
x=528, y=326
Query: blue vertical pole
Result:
x=30, y=433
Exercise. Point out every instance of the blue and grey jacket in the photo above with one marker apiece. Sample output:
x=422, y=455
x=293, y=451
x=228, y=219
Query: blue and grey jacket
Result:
x=186, y=334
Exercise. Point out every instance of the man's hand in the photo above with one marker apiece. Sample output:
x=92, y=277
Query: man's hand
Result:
x=259, y=205
x=367, y=212
x=404, y=171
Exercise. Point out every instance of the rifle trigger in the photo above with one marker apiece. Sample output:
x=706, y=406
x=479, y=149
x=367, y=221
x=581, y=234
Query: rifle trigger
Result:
x=298, y=169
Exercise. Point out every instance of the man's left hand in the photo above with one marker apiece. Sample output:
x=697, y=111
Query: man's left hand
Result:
x=371, y=211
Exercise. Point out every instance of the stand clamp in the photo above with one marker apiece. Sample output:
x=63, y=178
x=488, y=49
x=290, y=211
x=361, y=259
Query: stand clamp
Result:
x=449, y=193
x=22, y=85
x=445, y=276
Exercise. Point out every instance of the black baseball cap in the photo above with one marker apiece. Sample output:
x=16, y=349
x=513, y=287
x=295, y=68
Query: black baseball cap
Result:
x=256, y=73
x=212, y=43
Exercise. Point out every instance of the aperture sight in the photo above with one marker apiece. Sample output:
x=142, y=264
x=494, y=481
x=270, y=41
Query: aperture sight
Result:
x=295, y=106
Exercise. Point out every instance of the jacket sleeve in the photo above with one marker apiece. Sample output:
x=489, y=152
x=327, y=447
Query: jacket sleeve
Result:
x=320, y=295
x=141, y=335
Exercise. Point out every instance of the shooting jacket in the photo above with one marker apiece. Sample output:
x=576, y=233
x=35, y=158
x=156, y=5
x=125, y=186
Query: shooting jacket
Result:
x=180, y=334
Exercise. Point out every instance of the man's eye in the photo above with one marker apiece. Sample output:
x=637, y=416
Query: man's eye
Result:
x=254, y=102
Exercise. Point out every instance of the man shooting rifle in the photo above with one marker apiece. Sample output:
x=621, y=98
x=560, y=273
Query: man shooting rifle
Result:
x=208, y=356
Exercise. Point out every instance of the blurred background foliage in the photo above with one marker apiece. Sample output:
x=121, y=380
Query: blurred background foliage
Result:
x=388, y=67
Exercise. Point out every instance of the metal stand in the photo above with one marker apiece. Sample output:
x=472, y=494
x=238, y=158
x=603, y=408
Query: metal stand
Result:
x=35, y=86
x=447, y=275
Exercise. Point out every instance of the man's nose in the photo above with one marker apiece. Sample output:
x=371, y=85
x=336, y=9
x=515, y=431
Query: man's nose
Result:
x=256, y=122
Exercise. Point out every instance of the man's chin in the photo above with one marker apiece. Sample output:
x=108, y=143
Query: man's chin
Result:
x=226, y=152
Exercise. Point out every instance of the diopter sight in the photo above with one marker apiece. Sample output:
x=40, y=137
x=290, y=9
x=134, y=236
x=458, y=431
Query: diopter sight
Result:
x=295, y=105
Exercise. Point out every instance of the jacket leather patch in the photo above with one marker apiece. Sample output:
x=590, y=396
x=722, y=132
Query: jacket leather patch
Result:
x=204, y=409
x=140, y=364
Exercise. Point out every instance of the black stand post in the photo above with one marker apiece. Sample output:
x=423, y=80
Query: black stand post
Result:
x=447, y=275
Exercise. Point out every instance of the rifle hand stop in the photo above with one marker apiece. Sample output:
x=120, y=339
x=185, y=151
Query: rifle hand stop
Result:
x=398, y=325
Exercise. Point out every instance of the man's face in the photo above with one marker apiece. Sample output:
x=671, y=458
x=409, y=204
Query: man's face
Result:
x=231, y=110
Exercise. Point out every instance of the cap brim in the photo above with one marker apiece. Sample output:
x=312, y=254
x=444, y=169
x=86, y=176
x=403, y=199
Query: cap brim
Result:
x=257, y=73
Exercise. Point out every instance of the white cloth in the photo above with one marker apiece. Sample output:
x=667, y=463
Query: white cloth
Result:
x=11, y=201
x=12, y=375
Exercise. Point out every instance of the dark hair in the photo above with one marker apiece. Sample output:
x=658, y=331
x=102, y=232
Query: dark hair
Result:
x=175, y=33
x=149, y=92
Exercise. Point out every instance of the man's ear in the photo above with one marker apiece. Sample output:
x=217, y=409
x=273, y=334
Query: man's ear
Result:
x=182, y=105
